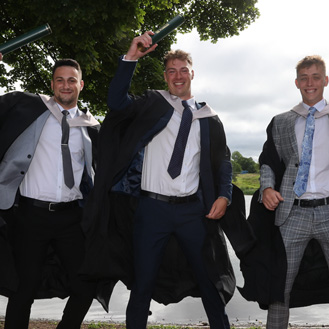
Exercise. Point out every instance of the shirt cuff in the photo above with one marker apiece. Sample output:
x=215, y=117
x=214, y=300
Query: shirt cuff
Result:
x=128, y=60
x=227, y=200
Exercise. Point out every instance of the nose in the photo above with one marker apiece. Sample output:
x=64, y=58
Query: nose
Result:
x=178, y=75
x=65, y=84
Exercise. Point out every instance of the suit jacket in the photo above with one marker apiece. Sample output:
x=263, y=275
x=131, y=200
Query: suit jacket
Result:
x=22, y=117
x=285, y=143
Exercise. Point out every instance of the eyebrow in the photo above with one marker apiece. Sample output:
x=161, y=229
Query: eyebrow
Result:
x=306, y=75
x=75, y=78
x=182, y=68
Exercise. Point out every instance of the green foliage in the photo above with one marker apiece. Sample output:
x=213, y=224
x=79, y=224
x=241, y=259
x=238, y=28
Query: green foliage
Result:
x=96, y=32
x=246, y=164
x=236, y=169
x=248, y=183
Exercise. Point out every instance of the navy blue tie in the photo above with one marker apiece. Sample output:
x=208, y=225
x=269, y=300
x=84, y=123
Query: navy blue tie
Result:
x=66, y=154
x=176, y=161
x=305, y=161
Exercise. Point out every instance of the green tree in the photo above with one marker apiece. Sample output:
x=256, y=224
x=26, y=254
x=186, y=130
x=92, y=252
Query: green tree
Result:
x=237, y=157
x=236, y=169
x=96, y=32
x=247, y=164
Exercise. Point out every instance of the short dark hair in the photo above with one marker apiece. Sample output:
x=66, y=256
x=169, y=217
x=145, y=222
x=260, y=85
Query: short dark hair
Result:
x=308, y=61
x=67, y=62
x=177, y=54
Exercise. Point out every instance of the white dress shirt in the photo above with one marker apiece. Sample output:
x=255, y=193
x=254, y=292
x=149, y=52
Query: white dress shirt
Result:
x=155, y=177
x=318, y=180
x=44, y=179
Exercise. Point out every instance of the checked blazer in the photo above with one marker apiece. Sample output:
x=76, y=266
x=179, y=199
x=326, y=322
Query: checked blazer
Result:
x=285, y=142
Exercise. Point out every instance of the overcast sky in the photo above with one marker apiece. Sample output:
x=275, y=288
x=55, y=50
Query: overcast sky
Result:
x=250, y=78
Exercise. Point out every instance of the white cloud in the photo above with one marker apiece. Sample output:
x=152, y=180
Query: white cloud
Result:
x=249, y=78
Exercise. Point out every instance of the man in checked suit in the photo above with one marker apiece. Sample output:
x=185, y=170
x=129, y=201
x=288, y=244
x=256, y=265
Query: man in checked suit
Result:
x=38, y=207
x=299, y=216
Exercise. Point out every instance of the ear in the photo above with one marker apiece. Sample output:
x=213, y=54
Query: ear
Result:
x=52, y=85
x=296, y=83
x=326, y=81
x=81, y=84
x=192, y=72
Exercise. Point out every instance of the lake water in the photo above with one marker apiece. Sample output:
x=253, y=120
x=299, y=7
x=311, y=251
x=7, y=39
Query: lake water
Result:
x=188, y=311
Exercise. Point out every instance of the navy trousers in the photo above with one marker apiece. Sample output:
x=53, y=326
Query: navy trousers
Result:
x=155, y=222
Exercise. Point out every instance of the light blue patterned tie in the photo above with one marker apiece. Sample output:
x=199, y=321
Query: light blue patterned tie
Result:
x=176, y=161
x=305, y=160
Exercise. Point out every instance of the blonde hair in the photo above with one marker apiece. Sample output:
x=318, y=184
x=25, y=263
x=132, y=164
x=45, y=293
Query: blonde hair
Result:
x=308, y=61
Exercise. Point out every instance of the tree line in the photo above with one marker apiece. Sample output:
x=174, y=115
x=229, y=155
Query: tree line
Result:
x=241, y=164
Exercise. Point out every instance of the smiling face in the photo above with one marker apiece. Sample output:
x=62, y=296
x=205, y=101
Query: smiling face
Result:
x=311, y=82
x=66, y=84
x=178, y=76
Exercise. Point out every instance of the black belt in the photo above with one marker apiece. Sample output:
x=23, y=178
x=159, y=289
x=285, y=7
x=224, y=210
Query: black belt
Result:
x=311, y=203
x=51, y=206
x=170, y=199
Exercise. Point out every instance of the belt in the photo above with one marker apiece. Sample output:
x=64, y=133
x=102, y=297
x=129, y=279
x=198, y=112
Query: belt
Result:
x=170, y=199
x=312, y=202
x=51, y=206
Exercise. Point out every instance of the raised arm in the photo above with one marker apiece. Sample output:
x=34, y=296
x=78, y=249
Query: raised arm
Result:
x=118, y=97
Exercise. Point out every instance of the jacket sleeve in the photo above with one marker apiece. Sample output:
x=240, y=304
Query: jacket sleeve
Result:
x=118, y=97
x=225, y=182
x=271, y=165
x=267, y=179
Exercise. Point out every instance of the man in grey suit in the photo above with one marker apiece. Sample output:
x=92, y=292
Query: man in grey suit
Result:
x=39, y=206
x=300, y=215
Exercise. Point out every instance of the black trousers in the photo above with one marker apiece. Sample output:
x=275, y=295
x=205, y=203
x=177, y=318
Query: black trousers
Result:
x=155, y=221
x=34, y=231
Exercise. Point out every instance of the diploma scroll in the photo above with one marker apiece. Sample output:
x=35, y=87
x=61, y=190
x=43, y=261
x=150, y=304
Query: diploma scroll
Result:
x=24, y=39
x=164, y=30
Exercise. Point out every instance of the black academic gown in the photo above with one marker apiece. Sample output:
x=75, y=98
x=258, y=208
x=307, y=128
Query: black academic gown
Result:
x=108, y=219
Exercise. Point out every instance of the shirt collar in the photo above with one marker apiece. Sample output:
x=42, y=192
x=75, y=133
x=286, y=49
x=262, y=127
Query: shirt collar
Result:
x=73, y=111
x=319, y=106
x=191, y=103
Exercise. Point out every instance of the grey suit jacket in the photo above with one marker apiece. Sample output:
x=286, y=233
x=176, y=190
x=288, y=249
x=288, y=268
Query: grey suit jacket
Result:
x=18, y=157
x=286, y=145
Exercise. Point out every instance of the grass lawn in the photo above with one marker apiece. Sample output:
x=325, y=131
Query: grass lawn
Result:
x=248, y=183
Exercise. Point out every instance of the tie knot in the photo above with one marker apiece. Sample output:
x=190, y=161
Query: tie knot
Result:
x=65, y=112
x=186, y=106
x=312, y=110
